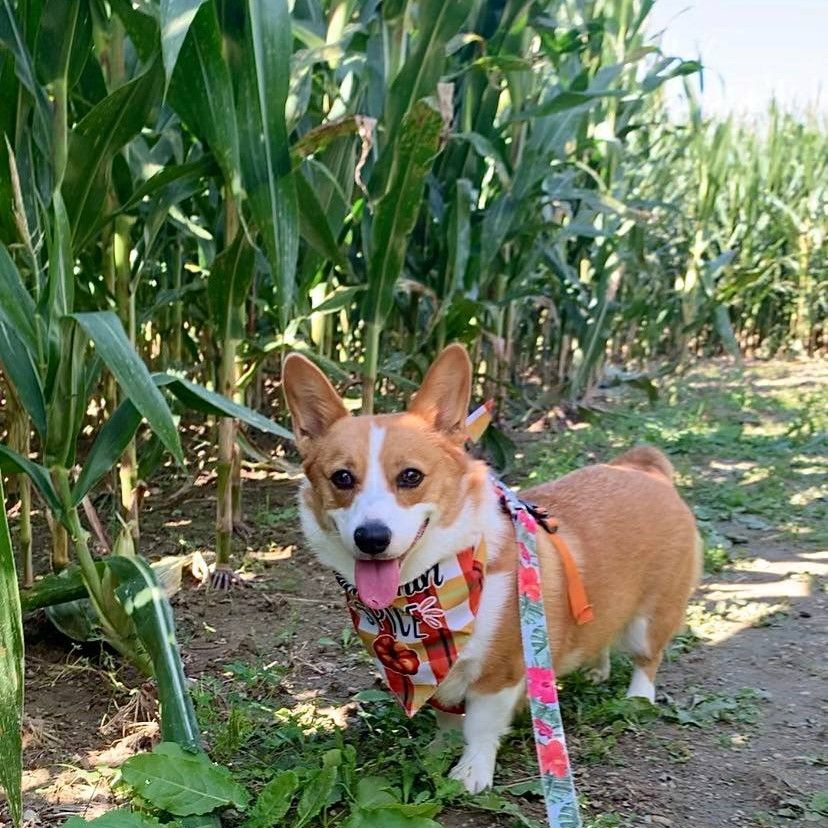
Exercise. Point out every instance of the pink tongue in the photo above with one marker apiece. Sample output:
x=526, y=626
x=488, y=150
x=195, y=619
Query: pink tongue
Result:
x=377, y=582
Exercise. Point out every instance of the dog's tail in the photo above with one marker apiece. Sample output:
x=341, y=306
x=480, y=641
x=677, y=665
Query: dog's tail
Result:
x=647, y=459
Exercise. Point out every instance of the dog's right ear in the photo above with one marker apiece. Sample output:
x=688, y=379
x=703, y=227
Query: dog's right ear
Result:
x=313, y=402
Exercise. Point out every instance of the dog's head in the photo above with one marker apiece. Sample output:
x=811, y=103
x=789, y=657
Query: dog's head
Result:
x=385, y=493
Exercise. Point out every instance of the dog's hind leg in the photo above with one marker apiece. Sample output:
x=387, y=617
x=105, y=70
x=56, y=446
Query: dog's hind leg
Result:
x=488, y=716
x=642, y=683
x=646, y=638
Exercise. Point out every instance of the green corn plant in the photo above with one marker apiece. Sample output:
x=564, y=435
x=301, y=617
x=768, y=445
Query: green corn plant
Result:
x=11, y=674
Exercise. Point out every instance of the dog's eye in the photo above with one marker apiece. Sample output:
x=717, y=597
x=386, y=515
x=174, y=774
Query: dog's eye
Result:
x=343, y=479
x=409, y=478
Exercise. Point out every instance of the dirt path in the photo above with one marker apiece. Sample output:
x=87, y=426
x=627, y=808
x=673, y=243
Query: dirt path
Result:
x=741, y=738
x=765, y=763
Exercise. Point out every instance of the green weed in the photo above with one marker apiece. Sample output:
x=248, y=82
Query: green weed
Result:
x=705, y=709
x=273, y=518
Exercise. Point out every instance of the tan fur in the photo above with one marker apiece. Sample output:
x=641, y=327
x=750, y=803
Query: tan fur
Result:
x=632, y=536
x=410, y=442
x=636, y=544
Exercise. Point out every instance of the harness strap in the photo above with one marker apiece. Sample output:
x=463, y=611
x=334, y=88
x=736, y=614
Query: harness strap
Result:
x=579, y=604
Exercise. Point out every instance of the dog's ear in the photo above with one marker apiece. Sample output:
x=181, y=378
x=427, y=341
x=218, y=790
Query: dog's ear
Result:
x=443, y=398
x=313, y=402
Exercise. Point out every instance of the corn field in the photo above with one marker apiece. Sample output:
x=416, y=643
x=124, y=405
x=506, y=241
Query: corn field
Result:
x=191, y=189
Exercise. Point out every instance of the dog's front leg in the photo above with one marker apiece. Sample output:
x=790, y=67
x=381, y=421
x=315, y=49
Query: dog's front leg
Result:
x=488, y=716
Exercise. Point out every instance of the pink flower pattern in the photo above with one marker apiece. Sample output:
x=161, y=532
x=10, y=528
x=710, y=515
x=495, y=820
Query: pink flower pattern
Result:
x=552, y=758
x=540, y=683
x=529, y=583
x=527, y=521
x=543, y=729
x=553, y=761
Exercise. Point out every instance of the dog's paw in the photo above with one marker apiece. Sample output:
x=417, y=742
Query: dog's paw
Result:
x=598, y=675
x=476, y=773
x=600, y=671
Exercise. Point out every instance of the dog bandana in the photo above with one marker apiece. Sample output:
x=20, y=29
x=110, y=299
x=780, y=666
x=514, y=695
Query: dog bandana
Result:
x=418, y=638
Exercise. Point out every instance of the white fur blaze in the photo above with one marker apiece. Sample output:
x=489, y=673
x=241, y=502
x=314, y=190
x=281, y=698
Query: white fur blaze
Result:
x=376, y=501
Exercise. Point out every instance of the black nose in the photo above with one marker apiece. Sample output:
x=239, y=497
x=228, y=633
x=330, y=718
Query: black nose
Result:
x=372, y=538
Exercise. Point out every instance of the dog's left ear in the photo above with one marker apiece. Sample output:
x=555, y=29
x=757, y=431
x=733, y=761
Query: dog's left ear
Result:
x=443, y=398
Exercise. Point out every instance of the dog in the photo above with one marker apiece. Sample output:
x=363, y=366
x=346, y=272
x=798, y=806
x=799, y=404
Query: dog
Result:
x=388, y=501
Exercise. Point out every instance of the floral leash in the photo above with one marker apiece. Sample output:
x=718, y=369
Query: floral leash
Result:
x=541, y=688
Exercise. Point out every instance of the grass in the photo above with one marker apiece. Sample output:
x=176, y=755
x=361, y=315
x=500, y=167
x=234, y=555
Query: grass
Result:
x=752, y=460
x=748, y=462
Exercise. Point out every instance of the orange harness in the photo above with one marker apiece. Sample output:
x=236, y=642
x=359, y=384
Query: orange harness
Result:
x=579, y=604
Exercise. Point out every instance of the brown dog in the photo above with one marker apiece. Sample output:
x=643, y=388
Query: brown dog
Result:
x=390, y=500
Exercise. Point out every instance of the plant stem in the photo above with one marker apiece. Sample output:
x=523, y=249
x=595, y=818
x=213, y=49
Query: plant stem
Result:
x=19, y=430
x=59, y=131
x=60, y=539
x=115, y=623
x=177, y=315
x=227, y=425
x=369, y=372
x=125, y=304
x=224, y=488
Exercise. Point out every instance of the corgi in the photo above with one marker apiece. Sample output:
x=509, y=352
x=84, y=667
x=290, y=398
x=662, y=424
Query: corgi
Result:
x=389, y=498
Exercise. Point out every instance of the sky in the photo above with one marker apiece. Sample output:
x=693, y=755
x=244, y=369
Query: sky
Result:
x=752, y=50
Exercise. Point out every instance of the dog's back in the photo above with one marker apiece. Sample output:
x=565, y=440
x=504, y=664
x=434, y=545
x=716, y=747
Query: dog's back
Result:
x=638, y=549
x=647, y=459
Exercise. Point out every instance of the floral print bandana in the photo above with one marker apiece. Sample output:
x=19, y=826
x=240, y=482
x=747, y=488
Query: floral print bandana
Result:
x=417, y=640
x=541, y=686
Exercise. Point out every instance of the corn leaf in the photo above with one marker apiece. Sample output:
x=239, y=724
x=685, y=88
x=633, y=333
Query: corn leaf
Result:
x=106, y=331
x=397, y=211
x=265, y=157
x=12, y=38
x=176, y=17
x=339, y=299
x=61, y=286
x=313, y=223
x=180, y=782
x=94, y=141
x=142, y=28
x=459, y=237
x=109, y=444
x=68, y=400
x=438, y=22
x=228, y=286
x=19, y=369
x=13, y=463
x=201, y=92
x=146, y=603
x=198, y=398
x=568, y=99
x=64, y=37
x=11, y=674
x=55, y=589
x=173, y=173
x=17, y=308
